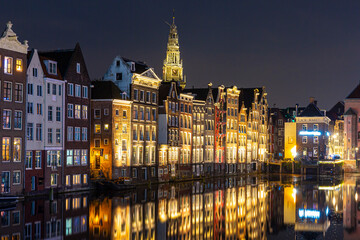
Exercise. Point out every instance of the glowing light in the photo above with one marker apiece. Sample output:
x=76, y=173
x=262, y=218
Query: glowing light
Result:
x=327, y=211
x=308, y=213
x=293, y=152
x=356, y=196
x=309, y=133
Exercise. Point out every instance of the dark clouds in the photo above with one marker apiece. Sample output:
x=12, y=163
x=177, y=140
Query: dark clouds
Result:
x=296, y=49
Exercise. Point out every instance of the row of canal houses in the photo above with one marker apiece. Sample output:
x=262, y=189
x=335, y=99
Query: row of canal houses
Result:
x=59, y=128
x=45, y=99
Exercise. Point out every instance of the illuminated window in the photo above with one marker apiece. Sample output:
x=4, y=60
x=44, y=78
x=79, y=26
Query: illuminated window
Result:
x=6, y=149
x=316, y=127
x=106, y=127
x=76, y=181
x=84, y=156
x=69, y=157
x=68, y=180
x=68, y=227
x=85, y=179
x=77, y=157
x=16, y=177
x=97, y=128
x=17, y=150
x=304, y=139
x=76, y=202
x=84, y=112
x=8, y=65
x=38, y=159
x=77, y=111
x=124, y=114
x=67, y=203
x=7, y=95
x=53, y=179
x=304, y=127
x=106, y=141
x=316, y=139
x=97, y=113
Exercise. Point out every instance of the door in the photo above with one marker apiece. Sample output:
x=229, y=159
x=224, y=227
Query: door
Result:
x=97, y=161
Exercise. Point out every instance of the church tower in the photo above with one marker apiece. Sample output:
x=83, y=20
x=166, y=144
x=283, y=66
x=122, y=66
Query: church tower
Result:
x=173, y=67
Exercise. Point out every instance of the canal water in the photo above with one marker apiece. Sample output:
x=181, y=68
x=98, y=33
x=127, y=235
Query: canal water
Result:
x=280, y=207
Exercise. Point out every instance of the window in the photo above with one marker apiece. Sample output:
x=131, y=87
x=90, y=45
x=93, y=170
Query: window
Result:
x=117, y=112
x=77, y=134
x=30, y=131
x=68, y=180
x=50, y=113
x=85, y=179
x=59, y=90
x=39, y=109
x=118, y=76
x=39, y=90
x=70, y=133
x=84, y=136
x=16, y=177
x=30, y=107
x=136, y=94
x=85, y=92
x=6, y=119
x=69, y=157
x=77, y=157
x=28, y=160
x=18, y=120
x=76, y=180
x=77, y=111
x=141, y=113
x=53, y=158
x=58, y=114
x=8, y=65
x=106, y=141
x=304, y=139
x=304, y=127
x=38, y=132
x=316, y=127
x=7, y=91
x=154, y=114
x=97, y=143
x=52, y=67
x=97, y=128
x=35, y=72
x=70, y=89
x=54, y=89
x=136, y=113
x=106, y=111
x=18, y=92
x=147, y=96
x=124, y=128
x=97, y=113
x=70, y=110
x=77, y=67
x=154, y=97
x=53, y=179
x=77, y=90
x=38, y=159
x=48, y=88
x=16, y=218
x=50, y=136
x=141, y=95
x=147, y=114
x=58, y=136
x=84, y=112
x=316, y=139
x=17, y=150
x=106, y=127
x=84, y=156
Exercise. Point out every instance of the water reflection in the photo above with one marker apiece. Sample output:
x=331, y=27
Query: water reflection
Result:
x=234, y=208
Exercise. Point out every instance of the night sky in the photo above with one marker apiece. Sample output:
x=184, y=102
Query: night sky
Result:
x=296, y=49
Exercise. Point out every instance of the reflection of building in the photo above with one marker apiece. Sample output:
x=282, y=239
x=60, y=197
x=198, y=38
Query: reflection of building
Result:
x=13, y=103
x=276, y=133
x=111, y=135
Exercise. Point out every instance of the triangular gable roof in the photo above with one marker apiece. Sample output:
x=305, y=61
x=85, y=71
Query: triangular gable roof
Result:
x=311, y=111
x=350, y=111
x=164, y=92
x=62, y=57
x=355, y=93
x=45, y=71
x=150, y=74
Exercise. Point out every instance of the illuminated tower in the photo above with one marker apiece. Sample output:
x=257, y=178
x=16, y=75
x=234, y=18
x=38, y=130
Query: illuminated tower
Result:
x=173, y=67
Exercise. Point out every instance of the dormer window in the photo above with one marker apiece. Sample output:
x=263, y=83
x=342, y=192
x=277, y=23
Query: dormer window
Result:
x=118, y=63
x=132, y=66
x=77, y=67
x=52, y=67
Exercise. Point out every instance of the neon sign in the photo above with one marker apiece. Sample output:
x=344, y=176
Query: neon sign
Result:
x=310, y=133
x=308, y=213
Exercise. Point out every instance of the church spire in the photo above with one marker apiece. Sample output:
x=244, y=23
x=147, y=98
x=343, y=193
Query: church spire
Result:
x=172, y=68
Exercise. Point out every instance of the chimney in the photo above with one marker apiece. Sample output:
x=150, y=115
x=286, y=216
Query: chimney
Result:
x=296, y=109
